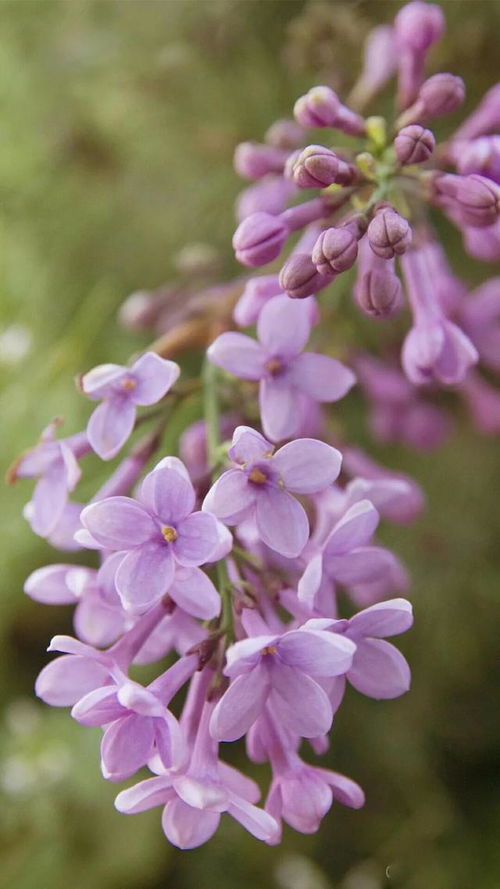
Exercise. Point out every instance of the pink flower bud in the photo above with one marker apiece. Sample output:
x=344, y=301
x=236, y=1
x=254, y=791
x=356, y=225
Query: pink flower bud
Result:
x=300, y=278
x=418, y=25
x=378, y=293
x=335, y=251
x=414, y=144
x=286, y=134
x=389, y=234
x=478, y=199
x=318, y=108
x=253, y=161
x=259, y=239
x=318, y=167
x=441, y=94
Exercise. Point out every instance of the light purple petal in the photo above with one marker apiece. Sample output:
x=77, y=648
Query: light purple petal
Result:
x=126, y=746
x=198, y=537
x=244, y=655
x=145, y=575
x=314, y=715
x=282, y=522
x=49, y=499
x=240, y=705
x=366, y=564
x=306, y=800
x=168, y=493
x=239, y=354
x=379, y=670
x=236, y=782
x=200, y=794
x=96, y=622
x=258, y=822
x=101, y=380
x=284, y=326
x=344, y=789
x=310, y=581
x=98, y=707
x=321, y=377
x=67, y=679
x=307, y=466
x=248, y=445
x=278, y=408
x=317, y=652
x=50, y=584
x=118, y=523
x=110, y=426
x=153, y=376
x=145, y=795
x=193, y=591
x=186, y=827
x=383, y=619
x=355, y=528
x=229, y=496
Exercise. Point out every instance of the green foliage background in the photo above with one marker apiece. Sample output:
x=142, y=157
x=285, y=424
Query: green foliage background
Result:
x=119, y=121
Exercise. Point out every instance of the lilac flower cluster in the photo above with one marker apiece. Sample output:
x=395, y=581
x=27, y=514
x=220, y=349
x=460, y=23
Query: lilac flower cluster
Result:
x=264, y=625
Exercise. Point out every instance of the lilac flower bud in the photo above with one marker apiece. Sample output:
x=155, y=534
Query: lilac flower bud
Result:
x=484, y=119
x=418, y=25
x=441, y=94
x=380, y=60
x=318, y=167
x=286, y=134
x=480, y=156
x=253, y=161
x=321, y=107
x=269, y=195
x=336, y=250
x=414, y=144
x=299, y=277
x=389, y=234
x=259, y=239
x=378, y=293
x=483, y=243
x=478, y=199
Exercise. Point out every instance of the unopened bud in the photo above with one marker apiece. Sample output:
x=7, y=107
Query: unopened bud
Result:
x=439, y=95
x=299, y=277
x=378, y=293
x=480, y=156
x=321, y=107
x=253, y=161
x=478, y=199
x=336, y=250
x=389, y=234
x=259, y=239
x=418, y=25
x=414, y=145
x=285, y=134
x=318, y=167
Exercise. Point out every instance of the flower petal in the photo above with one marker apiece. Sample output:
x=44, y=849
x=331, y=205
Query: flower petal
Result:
x=317, y=652
x=68, y=678
x=186, y=827
x=366, y=564
x=383, y=619
x=98, y=707
x=307, y=465
x=355, y=528
x=344, y=789
x=50, y=584
x=118, y=523
x=239, y=354
x=144, y=576
x=248, y=445
x=200, y=794
x=278, y=409
x=193, y=591
x=321, y=377
x=244, y=655
x=240, y=705
x=198, y=537
x=258, y=822
x=126, y=746
x=284, y=326
x=168, y=494
x=153, y=377
x=314, y=715
x=310, y=581
x=230, y=496
x=379, y=670
x=145, y=795
x=110, y=426
x=101, y=380
x=282, y=522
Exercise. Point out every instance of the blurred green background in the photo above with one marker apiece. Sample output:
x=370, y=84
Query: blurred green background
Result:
x=119, y=120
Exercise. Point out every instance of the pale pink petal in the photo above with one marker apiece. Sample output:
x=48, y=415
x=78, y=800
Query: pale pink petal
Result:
x=366, y=564
x=239, y=354
x=50, y=584
x=118, y=523
x=355, y=528
x=229, y=496
x=310, y=581
x=379, y=670
x=317, y=652
x=101, y=381
x=383, y=619
x=321, y=377
x=244, y=655
x=126, y=746
x=307, y=465
x=193, y=591
x=49, y=499
x=153, y=377
x=186, y=827
x=144, y=576
x=67, y=679
x=248, y=445
x=98, y=707
x=110, y=426
x=96, y=622
x=145, y=795
x=200, y=794
x=236, y=782
x=240, y=705
x=168, y=493
x=258, y=822
x=198, y=537
x=344, y=789
x=282, y=522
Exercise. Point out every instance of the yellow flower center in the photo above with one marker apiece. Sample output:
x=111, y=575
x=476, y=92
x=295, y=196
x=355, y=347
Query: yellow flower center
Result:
x=257, y=476
x=169, y=534
x=128, y=384
x=274, y=366
x=269, y=649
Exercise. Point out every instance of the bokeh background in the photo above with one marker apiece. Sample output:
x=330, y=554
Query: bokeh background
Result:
x=119, y=120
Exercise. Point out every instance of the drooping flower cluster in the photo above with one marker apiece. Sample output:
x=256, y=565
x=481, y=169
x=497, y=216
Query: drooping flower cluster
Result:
x=272, y=619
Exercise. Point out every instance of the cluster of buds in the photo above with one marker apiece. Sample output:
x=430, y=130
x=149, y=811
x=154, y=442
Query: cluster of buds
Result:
x=231, y=555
